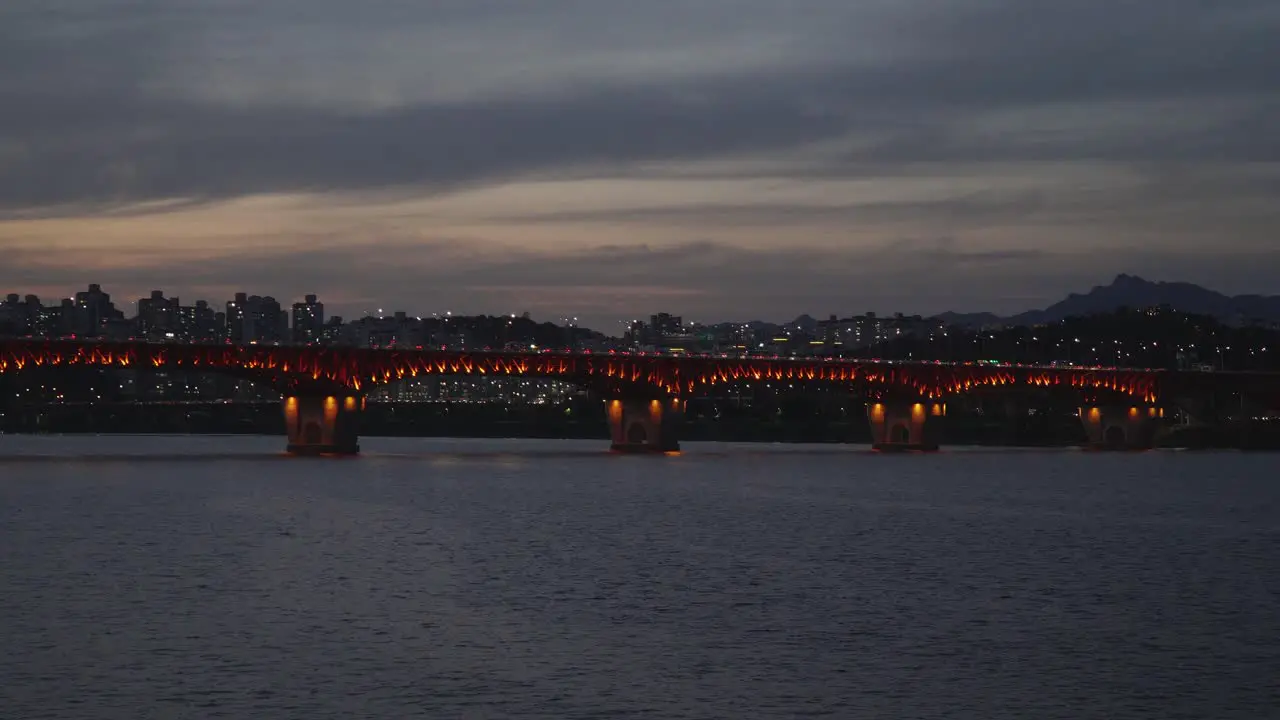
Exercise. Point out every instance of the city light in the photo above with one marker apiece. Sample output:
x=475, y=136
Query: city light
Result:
x=517, y=346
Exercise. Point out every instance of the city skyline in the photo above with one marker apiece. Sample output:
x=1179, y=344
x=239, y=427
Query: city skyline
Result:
x=1123, y=291
x=718, y=160
x=134, y=308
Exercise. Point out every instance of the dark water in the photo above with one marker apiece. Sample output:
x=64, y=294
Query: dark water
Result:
x=210, y=577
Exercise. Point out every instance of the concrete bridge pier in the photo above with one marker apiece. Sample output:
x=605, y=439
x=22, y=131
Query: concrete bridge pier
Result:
x=323, y=424
x=905, y=425
x=1116, y=427
x=644, y=425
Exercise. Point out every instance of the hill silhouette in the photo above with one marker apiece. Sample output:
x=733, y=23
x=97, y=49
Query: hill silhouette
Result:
x=1131, y=291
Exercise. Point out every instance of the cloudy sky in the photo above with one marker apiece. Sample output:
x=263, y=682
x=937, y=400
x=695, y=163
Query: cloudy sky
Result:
x=724, y=159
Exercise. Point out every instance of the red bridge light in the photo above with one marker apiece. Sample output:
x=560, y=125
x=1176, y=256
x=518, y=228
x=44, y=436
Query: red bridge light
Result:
x=357, y=368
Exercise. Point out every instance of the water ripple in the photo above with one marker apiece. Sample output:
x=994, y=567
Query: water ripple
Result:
x=525, y=581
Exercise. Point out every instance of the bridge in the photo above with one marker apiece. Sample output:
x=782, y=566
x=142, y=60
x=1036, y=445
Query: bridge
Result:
x=644, y=395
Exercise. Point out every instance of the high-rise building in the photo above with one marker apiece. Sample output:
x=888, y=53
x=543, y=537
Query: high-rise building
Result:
x=91, y=309
x=63, y=320
x=308, y=321
x=158, y=316
x=666, y=324
x=234, y=318
x=20, y=315
x=256, y=319
x=331, y=333
x=198, y=323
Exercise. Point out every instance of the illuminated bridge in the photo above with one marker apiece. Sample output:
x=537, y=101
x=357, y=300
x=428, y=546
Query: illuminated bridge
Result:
x=644, y=396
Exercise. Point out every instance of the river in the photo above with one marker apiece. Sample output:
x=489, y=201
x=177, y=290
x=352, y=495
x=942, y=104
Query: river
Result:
x=203, y=577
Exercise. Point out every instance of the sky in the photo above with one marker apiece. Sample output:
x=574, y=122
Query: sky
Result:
x=608, y=159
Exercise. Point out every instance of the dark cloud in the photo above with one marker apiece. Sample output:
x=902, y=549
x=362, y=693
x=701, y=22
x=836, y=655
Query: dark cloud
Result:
x=84, y=123
x=107, y=103
x=966, y=209
x=219, y=153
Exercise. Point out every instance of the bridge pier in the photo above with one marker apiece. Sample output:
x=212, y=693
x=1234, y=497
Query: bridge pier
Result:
x=1115, y=427
x=323, y=424
x=644, y=426
x=904, y=425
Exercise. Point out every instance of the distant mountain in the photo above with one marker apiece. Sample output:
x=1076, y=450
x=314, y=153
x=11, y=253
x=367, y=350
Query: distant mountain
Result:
x=805, y=323
x=1134, y=292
